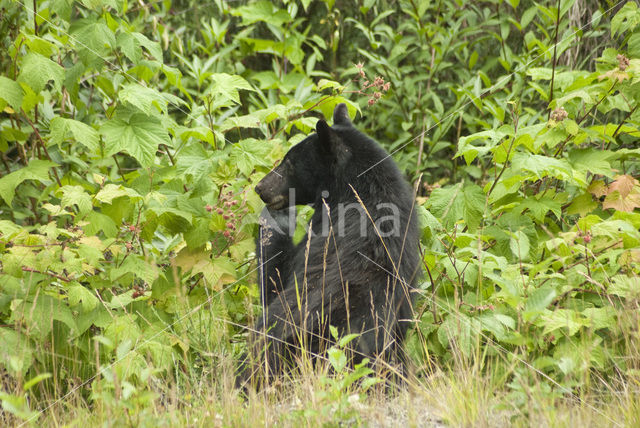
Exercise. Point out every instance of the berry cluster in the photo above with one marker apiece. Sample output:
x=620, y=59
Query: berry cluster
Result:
x=559, y=114
x=231, y=211
x=373, y=89
x=623, y=62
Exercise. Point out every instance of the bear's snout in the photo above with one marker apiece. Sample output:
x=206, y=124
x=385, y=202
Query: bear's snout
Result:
x=270, y=190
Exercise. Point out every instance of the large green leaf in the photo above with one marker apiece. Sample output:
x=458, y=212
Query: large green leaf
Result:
x=460, y=202
x=226, y=86
x=11, y=93
x=62, y=128
x=138, y=136
x=37, y=70
x=264, y=11
x=36, y=170
x=94, y=40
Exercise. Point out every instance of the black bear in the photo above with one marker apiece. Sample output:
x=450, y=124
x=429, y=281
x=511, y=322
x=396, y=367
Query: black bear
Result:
x=358, y=264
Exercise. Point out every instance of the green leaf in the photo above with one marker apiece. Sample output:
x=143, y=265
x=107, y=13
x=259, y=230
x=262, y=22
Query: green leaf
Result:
x=37, y=316
x=146, y=99
x=62, y=128
x=484, y=142
x=11, y=92
x=459, y=202
x=626, y=19
x=563, y=318
x=37, y=70
x=154, y=48
x=94, y=40
x=75, y=195
x=111, y=191
x=542, y=166
x=337, y=358
x=519, y=245
x=264, y=11
x=138, y=136
x=130, y=44
x=35, y=380
x=16, y=353
x=136, y=265
x=540, y=298
x=249, y=153
x=540, y=207
x=79, y=295
x=540, y=73
x=36, y=170
x=98, y=222
x=217, y=272
x=226, y=86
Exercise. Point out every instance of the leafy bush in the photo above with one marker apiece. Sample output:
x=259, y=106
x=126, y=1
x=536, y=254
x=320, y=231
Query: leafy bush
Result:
x=131, y=136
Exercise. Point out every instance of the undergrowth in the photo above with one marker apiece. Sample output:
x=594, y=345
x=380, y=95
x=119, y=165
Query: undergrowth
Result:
x=132, y=135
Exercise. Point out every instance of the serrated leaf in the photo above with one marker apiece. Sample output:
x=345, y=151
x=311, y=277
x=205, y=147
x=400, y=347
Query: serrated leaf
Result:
x=146, y=271
x=129, y=46
x=542, y=166
x=79, y=295
x=328, y=84
x=98, y=222
x=540, y=298
x=460, y=202
x=616, y=201
x=36, y=170
x=540, y=208
x=626, y=18
x=11, y=92
x=38, y=315
x=75, y=195
x=539, y=73
x=63, y=128
x=226, y=86
x=249, y=153
x=111, y=191
x=154, y=48
x=94, y=40
x=481, y=142
x=563, y=318
x=139, y=137
x=37, y=70
x=245, y=121
x=146, y=99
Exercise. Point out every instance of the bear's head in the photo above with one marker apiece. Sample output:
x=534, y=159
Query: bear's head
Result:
x=308, y=167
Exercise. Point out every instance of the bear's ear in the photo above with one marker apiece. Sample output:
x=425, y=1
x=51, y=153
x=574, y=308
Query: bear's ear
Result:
x=330, y=142
x=341, y=115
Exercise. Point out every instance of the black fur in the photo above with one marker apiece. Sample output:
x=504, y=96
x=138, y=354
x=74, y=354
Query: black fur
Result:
x=337, y=275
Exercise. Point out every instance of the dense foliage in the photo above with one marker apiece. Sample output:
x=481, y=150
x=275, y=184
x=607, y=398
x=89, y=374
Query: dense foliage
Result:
x=132, y=134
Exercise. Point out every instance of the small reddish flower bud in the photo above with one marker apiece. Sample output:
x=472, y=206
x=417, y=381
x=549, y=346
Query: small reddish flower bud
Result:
x=623, y=62
x=208, y=207
x=226, y=234
x=219, y=210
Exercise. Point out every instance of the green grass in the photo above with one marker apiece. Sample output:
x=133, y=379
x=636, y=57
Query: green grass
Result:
x=478, y=392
